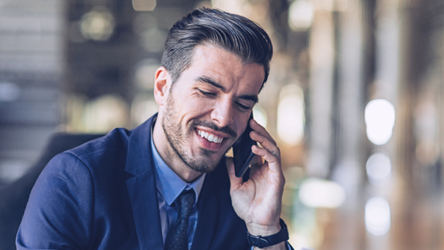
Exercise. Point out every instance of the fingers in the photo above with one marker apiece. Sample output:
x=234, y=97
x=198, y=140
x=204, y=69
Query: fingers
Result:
x=267, y=155
x=261, y=135
x=235, y=182
x=266, y=143
x=261, y=130
x=270, y=151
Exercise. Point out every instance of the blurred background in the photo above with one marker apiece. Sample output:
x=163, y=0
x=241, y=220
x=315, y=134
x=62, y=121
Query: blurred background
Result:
x=354, y=100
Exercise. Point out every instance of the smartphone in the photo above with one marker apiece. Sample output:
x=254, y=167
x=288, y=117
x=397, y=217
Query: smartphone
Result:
x=242, y=154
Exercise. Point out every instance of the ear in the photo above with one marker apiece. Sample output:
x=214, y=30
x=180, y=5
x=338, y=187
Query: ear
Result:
x=162, y=84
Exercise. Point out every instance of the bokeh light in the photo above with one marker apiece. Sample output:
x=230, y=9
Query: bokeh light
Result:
x=260, y=115
x=380, y=120
x=144, y=5
x=142, y=108
x=378, y=168
x=105, y=113
x=291, y=115
x=377, y=216
x=315, y=192
x=98, y=24
x=300, y=15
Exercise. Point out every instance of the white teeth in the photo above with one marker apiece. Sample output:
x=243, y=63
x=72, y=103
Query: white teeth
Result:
x=210, y=137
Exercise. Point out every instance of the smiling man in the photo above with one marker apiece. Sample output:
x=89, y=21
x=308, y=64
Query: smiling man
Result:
x=167, y=184
x=219, y=91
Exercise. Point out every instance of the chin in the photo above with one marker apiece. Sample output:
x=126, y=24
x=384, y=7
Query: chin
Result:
x=208, y=161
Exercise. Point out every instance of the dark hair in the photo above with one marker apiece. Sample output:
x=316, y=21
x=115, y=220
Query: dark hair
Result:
x=232, y=32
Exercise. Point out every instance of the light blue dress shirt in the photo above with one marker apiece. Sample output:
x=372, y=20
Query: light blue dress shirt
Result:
x=169, y=186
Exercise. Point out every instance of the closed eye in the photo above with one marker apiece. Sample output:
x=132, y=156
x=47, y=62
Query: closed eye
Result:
x=208, y=94
x=243, y=107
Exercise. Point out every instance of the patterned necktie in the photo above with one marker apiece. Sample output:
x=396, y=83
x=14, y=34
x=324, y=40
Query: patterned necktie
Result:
x=177, y=238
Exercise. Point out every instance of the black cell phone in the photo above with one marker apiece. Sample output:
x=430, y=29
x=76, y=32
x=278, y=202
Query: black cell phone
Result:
x=242, y=154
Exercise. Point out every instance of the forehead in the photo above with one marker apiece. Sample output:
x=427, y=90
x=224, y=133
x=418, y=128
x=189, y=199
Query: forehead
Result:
x=226, y=68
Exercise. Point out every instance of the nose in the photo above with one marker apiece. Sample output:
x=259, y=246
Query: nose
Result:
x=222, y=114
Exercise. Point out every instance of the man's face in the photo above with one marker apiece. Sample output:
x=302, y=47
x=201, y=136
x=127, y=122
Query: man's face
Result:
x=209, y=106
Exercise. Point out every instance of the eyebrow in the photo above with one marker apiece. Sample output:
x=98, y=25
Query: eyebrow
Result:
x=205, y=79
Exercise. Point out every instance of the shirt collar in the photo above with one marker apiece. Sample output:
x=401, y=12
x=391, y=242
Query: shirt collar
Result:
x=168, y=183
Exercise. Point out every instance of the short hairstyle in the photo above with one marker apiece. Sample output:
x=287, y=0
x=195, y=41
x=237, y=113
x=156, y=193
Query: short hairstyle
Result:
x=234, y=33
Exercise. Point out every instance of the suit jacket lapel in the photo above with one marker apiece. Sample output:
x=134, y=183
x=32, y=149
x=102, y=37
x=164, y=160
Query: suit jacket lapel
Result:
x=142, y=187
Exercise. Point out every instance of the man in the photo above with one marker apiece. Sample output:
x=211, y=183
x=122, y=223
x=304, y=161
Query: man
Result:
x=167, y=184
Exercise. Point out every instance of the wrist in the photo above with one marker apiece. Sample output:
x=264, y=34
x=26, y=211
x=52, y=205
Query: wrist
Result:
x=264, y=230
x=269, y=241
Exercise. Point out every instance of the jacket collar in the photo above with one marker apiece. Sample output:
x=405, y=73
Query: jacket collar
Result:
x=142, y=187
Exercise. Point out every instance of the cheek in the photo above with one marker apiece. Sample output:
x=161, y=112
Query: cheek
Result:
x=192, y=110
x=198, y=105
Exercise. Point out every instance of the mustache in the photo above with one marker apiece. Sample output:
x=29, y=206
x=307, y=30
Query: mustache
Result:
x=213, y=126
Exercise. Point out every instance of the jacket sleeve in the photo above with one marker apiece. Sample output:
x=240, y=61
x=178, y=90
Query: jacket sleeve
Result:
x=59, y=212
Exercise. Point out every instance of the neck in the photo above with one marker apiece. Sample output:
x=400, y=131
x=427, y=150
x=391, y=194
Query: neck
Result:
x=169, y=155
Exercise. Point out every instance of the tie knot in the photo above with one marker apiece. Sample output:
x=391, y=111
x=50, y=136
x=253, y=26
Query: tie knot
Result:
x=186, y=201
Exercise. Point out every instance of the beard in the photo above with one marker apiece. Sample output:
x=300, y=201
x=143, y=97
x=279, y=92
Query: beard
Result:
x=176, y=136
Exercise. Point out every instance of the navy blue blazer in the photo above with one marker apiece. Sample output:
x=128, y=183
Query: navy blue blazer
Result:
x=102, y=195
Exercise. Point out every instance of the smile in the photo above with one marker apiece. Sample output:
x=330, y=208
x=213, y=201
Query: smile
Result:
x=210, y=137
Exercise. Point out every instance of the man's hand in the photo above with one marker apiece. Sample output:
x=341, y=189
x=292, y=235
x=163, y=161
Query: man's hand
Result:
x=258, y=201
